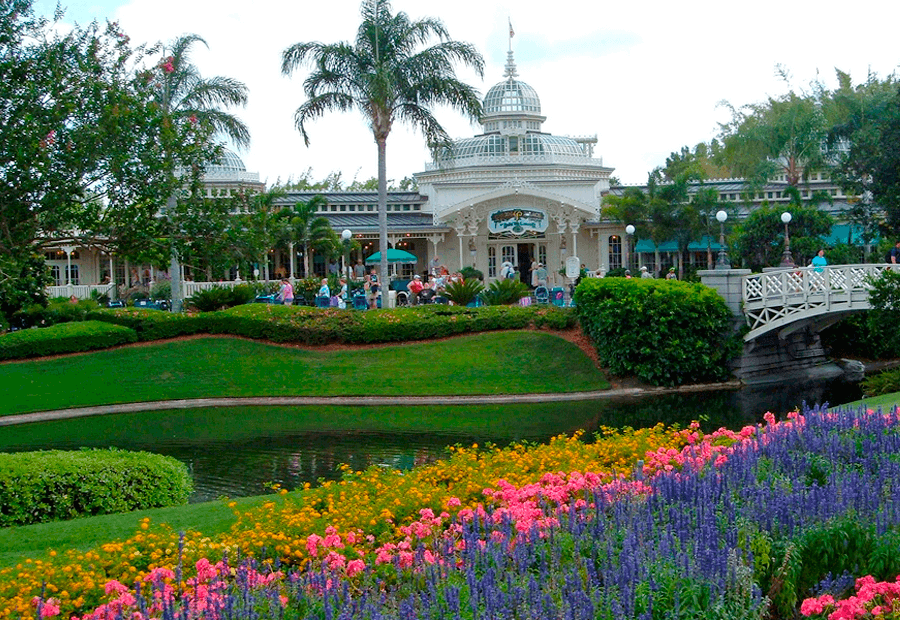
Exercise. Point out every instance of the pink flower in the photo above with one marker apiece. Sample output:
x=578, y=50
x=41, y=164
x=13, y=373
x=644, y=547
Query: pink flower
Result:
x=355, y=567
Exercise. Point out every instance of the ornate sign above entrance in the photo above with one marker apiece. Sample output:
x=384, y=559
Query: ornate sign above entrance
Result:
x=505, y=223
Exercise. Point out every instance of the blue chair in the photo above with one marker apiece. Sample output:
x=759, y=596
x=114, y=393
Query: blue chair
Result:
x=440, y=299
x=558, y=297
x=359, y=302
x=322, y=301
x=541, y=295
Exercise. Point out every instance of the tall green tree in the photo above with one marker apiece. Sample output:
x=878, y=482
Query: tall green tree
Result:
x=79, y=138
x=389, y=75
x=783, y=134
x=188, y=100
x=864, y=141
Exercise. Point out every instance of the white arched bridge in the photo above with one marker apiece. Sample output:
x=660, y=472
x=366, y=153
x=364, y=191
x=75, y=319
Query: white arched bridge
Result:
x=790, y=299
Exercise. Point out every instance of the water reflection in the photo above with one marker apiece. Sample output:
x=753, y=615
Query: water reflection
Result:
x=243, y=451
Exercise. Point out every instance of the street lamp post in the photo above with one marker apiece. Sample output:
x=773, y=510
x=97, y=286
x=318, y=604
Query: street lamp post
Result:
x=786, y=259
x=629, y=232
x=346, y=235
x=722, y=260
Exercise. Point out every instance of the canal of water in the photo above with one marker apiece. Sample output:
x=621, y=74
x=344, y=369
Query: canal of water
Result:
x=240, y=451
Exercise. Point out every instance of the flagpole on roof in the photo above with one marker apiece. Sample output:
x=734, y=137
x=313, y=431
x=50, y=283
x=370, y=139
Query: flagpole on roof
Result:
x=511, y=33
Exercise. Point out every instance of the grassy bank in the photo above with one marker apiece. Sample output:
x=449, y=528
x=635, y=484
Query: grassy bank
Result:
x=217, y=367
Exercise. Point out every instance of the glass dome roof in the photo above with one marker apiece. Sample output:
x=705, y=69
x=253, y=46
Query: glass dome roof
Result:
x=530, y=144
x=512, y=96
x=230, y=163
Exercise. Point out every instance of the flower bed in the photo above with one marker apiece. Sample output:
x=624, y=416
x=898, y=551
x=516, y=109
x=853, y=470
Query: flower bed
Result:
x=727, y=525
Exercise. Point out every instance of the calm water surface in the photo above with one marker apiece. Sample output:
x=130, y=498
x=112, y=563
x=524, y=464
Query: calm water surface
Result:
x=242, y=451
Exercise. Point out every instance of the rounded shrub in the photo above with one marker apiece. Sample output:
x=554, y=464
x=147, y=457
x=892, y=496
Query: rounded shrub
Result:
x=55, y=485
x=665, y=332
x=63, y=338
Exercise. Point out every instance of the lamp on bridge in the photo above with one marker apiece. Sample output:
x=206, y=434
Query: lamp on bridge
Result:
x=786, y=258
x=722, y=260
x=629, y=233
x=346, y=235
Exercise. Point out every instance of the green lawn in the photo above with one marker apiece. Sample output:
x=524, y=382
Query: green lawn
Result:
x=488, y=363
x=885, y=401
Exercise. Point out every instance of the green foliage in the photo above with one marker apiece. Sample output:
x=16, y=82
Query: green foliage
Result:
x=150, y=324
x=462, y=293
x=36, y=487
x=505, y=292
x=858, y=334
x=470, y=273
x=221, y=297
x=886, y=382
x=23, y=281
x=758, y=241
x=666, y=332
x=57, y=311
x=161, y=289
x=327, y=325
x=884, y=317
x=63, y=338
x=305, y=290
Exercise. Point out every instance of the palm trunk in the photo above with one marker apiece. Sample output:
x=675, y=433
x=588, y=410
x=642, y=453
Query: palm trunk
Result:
x=175, y=266
x=382, y=221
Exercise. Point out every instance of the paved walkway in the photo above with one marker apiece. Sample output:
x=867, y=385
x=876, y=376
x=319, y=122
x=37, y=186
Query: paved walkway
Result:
x=350, y=401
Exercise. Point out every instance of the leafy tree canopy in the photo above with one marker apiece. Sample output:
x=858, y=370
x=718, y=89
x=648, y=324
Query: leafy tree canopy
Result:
x=758, y=241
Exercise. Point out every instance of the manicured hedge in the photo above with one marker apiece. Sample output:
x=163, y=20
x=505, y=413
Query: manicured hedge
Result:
x=150, y=324
x=331, y=325
x=63, y=338
x=665, y=332
x=36, y=487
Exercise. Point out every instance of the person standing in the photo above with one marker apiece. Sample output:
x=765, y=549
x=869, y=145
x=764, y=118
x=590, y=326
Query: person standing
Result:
x=435, y=265
x=895, y=254
x=415, y=287
x=286, y=292
x=819, y=262
x=540, y=275
x=645, y=273
x=359, y=270
x=671, y=275
x=324, y=290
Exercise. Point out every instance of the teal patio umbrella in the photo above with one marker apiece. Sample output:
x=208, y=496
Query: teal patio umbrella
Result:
x=393, y=256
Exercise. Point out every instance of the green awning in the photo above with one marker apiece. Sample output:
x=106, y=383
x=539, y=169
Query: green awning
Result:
x=645, y=246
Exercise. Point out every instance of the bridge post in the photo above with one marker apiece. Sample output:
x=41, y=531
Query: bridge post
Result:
x=728, y=283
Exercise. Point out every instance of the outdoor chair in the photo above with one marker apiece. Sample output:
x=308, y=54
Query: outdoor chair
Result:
x=440, y=299
x=322, y=301
x=541, y=295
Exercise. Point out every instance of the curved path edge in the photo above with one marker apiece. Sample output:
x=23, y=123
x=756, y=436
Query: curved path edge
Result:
x=351, y=401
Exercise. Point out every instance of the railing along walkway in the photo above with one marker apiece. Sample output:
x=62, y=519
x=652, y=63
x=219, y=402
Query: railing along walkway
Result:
x=774, y=299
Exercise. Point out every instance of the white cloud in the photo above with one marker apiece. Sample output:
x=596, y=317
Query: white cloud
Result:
x=645, y=77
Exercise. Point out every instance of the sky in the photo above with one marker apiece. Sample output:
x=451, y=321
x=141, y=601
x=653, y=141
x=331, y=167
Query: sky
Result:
x=645, y=77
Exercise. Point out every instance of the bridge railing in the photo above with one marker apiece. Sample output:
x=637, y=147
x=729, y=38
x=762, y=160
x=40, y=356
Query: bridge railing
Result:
x=776, y=297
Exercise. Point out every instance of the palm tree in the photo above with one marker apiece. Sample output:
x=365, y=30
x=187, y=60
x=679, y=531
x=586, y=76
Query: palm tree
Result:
x=388, y=77
x=303, y=227
x=189, y=100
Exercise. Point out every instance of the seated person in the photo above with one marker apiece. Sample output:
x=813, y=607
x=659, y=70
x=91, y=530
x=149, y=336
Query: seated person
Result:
x=415, y=287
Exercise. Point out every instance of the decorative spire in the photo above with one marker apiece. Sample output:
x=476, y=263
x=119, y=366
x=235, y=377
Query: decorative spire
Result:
x=510, y=63
x=510, y=66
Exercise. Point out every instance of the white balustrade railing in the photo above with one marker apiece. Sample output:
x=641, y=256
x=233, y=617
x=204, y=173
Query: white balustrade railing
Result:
x=775, y=298
x=81, y=291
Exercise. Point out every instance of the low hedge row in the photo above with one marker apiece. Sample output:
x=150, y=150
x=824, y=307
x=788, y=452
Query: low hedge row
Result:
x=149, y=324
x=63, y=338
x=36, y=487
x=320, y=326
x=302, y=325
x=666, y=332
